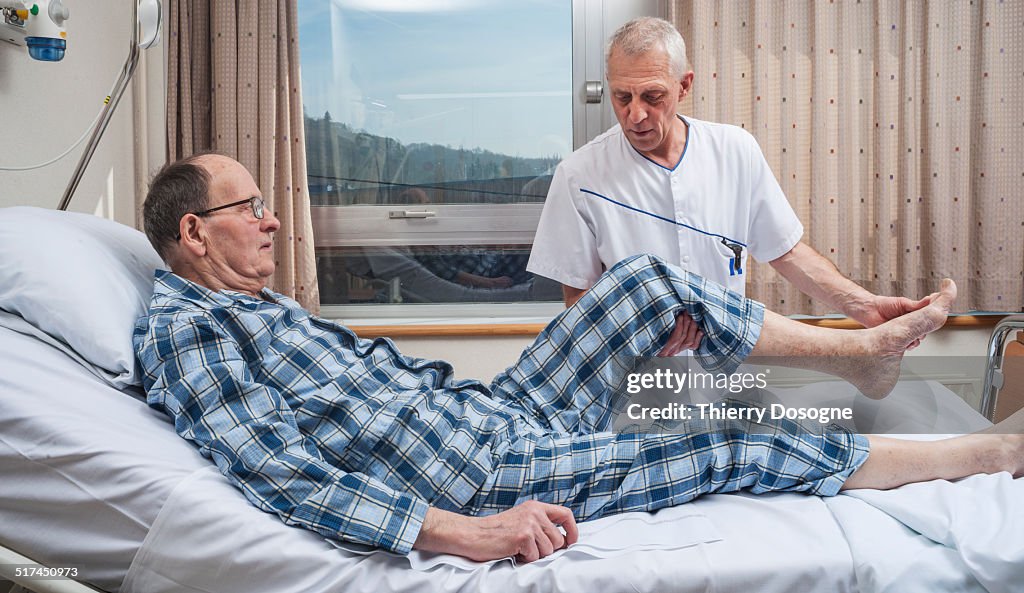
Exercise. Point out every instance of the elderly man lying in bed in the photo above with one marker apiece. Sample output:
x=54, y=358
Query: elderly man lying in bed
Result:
x=353, y=440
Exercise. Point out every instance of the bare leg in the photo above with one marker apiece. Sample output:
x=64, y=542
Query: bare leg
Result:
x=895, y=462
x=868, y=358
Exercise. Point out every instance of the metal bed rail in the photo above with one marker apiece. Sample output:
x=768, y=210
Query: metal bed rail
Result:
x=995, y=379
x=10, y=560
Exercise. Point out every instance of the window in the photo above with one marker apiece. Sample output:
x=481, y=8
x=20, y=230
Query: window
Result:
x=432, y=131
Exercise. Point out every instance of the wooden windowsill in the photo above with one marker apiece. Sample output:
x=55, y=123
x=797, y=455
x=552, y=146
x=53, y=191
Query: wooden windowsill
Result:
x=532, y=329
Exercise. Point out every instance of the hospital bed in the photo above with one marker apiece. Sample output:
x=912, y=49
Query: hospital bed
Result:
x=93, y=479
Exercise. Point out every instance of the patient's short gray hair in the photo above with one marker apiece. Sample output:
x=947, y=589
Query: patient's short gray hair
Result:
x=647, y=33
x=177, y=189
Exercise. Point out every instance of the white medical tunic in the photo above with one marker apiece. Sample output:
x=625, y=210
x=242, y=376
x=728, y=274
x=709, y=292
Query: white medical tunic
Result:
x=608, y=202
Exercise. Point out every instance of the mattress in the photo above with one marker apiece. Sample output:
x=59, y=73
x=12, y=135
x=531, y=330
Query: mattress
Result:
x=93, y=478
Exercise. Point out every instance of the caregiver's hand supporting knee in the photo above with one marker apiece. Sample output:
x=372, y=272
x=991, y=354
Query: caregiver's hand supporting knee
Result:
x=685, y=336
x=528, y=532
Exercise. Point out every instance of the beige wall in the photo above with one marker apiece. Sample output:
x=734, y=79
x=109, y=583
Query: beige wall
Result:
x=473, y=358
x=47, y=106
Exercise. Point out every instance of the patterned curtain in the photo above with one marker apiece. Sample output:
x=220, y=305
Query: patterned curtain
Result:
x=233, y=86
x=895, y=128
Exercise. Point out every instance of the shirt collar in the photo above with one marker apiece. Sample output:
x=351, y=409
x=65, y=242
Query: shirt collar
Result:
x=170, y=285
x=638, y=156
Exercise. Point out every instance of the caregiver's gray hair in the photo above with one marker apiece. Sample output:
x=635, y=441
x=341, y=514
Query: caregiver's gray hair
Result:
x=647, y=33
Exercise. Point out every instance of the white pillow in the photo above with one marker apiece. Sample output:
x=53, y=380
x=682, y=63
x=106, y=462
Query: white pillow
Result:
x=81, y=279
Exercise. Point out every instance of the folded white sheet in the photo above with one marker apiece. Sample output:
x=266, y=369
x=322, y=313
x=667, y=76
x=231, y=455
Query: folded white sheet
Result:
x=978, y=520
x=84, y=468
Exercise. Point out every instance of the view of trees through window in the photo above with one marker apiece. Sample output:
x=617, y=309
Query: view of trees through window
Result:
x=431, y=129
x=348, y=166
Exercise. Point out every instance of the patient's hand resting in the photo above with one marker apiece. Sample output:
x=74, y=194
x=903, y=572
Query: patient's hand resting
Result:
x=685, y=336
x=528, y=532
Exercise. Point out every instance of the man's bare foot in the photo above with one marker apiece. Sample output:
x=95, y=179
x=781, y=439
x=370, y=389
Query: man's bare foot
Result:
x=876, y=375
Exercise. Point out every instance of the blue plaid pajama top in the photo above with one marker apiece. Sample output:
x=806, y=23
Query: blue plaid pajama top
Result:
x=349, y=438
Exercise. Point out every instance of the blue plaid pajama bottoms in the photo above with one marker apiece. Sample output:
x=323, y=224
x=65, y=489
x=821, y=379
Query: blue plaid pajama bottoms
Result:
x=565, y=381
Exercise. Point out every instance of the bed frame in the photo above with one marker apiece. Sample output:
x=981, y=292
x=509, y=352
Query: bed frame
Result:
x=1003, y=393
x=10, y=583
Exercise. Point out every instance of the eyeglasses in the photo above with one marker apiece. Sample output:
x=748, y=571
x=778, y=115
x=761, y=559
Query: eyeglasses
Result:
x=255, y=202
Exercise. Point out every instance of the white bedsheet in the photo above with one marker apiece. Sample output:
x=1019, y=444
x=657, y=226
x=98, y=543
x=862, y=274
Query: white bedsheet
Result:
x=92, y=477
x=976, y=525
x=84, y=468
x=780, y=543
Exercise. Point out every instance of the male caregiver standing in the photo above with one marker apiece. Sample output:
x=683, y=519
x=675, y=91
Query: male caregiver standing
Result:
x=697, y=194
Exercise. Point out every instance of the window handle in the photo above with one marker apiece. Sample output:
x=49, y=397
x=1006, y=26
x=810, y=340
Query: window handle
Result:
x=411, y=214
x=594, y=90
